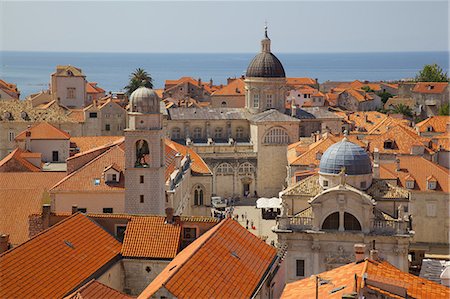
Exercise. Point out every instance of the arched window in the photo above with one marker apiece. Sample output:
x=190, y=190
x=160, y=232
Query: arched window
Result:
x=176, y=133
x=331, y=222
x=197, y=133
x=350, y=222
x=239, y=133
x=224, y=104
x=276, y=135
x=142, y=153
x=218, y=132
x=225, y=168
x=198, y=196
x=246, y=168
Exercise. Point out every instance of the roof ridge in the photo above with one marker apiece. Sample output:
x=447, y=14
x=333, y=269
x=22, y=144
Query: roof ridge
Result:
x=110, y=145
x=84, y=166
x=42, y=232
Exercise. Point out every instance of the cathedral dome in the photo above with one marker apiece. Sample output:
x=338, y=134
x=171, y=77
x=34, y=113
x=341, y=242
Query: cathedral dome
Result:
x=144, y=100
x=345, y=154
x=265, y=64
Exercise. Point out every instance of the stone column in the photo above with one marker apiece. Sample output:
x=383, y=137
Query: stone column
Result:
x=341, y=221
x=315, y=248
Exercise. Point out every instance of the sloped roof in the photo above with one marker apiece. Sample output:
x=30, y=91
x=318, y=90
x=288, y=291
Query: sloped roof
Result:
x=234, y=88
x=18, y=155
x=309, y=187
x=91, y=87
x=208, y=113
x=300, y=81
x=97, y=290
x=44, y=131
x=360, y=95
x=430, y=87
x=420, y=168
x=56, y=261
x=438, y=123
x=10, y=89
x=198, y=165
x=272, y=115
x=228, y=250
x=87, y=143
x=22, y=194
x=150, y=237
x=344, y=277
x=383, y=189
x=63, y=70
x=358, y=85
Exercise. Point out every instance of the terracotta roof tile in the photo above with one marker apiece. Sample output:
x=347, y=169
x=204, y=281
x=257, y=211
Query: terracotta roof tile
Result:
x=9, y=88
x=91, y=87
x=381, y=272
x=87, y=143
x=234, y=88
x=74, y=250
x=76, y=115
x=437, y=123
x=19, y=157
x=300, y=81
x=419, y=168
x=150, y=237
x=227, y=250
x=198, y=165
x=96, y=290
x=18, y=201
x=430, y=87
x=44, y=131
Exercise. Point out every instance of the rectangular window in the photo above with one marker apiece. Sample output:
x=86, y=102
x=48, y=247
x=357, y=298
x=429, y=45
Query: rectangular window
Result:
x=55, y=156
x=107, y=210
x=96, y=182
x=141, y=198
x=107, y=127
x=269, y=102
x=92, y=114
x=363, y=185
x=256, y=100
x=114, y=177
x=189, y=233
x=305, y=96
x=70, y=93
x=82, y=210
x=431, y=209
x=141, y=179
x=11, y=136
x=300, y=268
x=325, y=183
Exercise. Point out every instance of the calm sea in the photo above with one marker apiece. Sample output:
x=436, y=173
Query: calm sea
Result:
x=31, y=70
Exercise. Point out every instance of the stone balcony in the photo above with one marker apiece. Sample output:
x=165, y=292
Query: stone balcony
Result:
x=378, y=227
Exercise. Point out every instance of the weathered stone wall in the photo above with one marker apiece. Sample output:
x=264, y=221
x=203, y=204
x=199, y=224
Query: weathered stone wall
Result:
x=139, y=273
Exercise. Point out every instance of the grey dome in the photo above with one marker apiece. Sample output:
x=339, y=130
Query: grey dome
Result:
x=345, y=154
x=144, y=100
x=265, y=65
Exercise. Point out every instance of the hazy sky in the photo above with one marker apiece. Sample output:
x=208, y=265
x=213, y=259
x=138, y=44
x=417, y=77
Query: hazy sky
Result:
x=212, y=26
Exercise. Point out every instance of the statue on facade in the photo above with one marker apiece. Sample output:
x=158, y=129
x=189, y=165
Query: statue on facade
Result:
x=141, y=151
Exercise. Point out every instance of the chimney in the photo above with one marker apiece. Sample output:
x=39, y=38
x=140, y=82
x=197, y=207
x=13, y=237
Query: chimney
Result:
x=169, y=215
x=376, y=163
x=397, y=164
x=366, y=118
x=360, y=250
x=373, y=254
x=211, y=82
x=4, y=243
x=199, y=82
x=74, y=209
x=46, y=216
x=178, y=158
x=28, y=139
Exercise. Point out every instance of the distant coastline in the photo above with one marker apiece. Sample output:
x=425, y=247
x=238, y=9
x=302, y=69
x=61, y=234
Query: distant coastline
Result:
x=31, y=70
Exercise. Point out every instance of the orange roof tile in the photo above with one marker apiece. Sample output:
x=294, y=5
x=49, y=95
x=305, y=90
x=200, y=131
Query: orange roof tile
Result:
x=76, y=115
x=381, y=272
x=198, y=165
x=403, y=138
x=234, y=88
x=441, y=142
x=359, y=95
x=96, y=290
x=91, y=87
x=17, y=157
x=87, y=143
x=430, y=87
x=44, y=131
x=9, y=88
x=150, y=237
x=56, y=261
x=300, y=81
x=22, y=194
x=228, y=250
x=419, y=168
x=437, y=123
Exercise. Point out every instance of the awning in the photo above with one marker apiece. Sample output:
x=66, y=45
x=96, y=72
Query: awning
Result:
x=268, y=203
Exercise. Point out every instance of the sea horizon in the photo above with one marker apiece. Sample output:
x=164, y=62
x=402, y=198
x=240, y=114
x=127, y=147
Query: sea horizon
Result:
x=31, y=70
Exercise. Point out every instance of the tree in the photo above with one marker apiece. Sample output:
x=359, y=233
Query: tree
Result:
x=444, y=110
x=402, y=109
x=367, y=88
x=432, y=73
x=138, y=78
x=384, y=96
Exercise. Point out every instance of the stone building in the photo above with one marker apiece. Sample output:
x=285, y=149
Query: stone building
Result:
x=430, y=96
x=8, y=91
x=359, y=100
x=244, y=147
x=332, y=211
x=231, y=95
x=68, y=86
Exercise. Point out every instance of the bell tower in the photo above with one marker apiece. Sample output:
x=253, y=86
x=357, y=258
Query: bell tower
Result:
x=144, y=155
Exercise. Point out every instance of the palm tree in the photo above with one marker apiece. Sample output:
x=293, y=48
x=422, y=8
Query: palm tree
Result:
x=402, y=109
x=138, y=78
